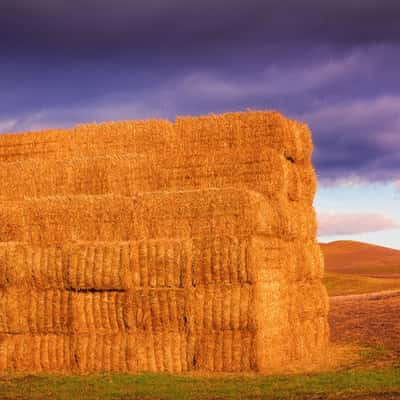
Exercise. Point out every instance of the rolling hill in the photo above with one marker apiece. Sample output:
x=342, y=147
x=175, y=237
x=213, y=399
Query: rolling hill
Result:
x=361, y=258
x=355, y=267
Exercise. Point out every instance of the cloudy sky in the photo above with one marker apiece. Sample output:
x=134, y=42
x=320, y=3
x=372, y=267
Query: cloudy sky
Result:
x=333, y=64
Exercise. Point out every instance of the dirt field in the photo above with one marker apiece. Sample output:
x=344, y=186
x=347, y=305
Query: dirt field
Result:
x=369, y=319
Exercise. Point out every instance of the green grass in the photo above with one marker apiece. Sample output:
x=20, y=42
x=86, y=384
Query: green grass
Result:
x=343, y=284
x=153, y=386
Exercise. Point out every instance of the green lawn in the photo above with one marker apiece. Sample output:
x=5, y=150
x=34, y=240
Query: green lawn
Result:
x=332, y=385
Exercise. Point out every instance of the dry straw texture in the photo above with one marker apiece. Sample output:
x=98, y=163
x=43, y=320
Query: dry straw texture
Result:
x=154, y=215
x=266, y=171
x=164, y=247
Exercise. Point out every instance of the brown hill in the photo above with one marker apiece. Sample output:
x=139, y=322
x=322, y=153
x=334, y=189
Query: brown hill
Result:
x=348, y=256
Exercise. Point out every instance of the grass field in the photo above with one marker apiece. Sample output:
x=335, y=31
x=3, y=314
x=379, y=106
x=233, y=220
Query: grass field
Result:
x=332, y=385
x=340, y=284
x=356, y=268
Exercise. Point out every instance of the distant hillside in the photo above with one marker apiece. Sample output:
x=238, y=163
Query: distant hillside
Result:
x=361, y=258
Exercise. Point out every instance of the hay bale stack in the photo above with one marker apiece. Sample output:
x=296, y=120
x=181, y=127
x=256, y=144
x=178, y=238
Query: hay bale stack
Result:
x=151, y=246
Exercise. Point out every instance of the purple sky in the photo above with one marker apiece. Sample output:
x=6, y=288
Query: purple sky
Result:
x=333, y=64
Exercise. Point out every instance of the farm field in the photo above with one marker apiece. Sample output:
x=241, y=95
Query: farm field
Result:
x=351, y=257
x=356, y=268
x=339, y=284
x=365, y=329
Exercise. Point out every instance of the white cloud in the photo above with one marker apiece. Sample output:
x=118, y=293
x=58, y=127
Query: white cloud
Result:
x=7, y=125
x=334, y=223
x=272, y=81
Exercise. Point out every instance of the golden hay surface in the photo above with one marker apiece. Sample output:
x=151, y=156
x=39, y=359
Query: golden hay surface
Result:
x=158, y=263
x=154, y=215
x=266, y=172
x=214, y=307
x=254, y=129
x=142, y=351
x=89, y=139
x=163, y=247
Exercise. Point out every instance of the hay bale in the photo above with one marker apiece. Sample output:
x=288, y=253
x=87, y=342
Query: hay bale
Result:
x=13, y=311
x=225, y=351
x=34, y=311
x=153, y=215
x=292, y=261
x=89, y=139
x=257, y=129
x=266, y=172
x=101, y=312
x=253, y=129
x=35, y=353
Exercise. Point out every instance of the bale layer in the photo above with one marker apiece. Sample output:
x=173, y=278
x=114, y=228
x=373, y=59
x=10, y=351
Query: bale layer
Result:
x=143, y=351
x=188, y=135
x=153, y=215
x=213, y=307
x=266, y=172
x=89, y=140
x=158, y=263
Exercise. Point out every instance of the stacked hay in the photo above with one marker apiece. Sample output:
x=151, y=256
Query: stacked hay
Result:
x=148, y=246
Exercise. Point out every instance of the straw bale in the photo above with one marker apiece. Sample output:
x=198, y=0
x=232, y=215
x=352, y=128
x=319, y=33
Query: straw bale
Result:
x=97, y=311
x=100, y=352
x=227, y=212
x=96, y=265
x=158, y=310
x=13, y=311
x=162, y=351
x=271, y=307
x=35, y=353
x=34, y=311
x=308, y=344
x=143, y=351
x=309, y=261
x=309, y=300
x=225, y=351
x=266, y=172
x=253, y=129
x=292, y=261
x=258, y=129
x=89, y=139
x=25, y=266
x=48, y=311
x=12, y=265
x=95, y=352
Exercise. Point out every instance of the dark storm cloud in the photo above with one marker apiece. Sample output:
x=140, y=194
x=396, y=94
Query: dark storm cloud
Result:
x=333, y=64
x=358, y=139
x=97, y=25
